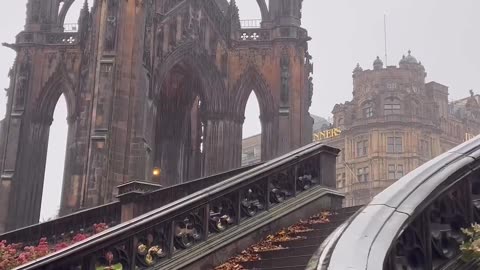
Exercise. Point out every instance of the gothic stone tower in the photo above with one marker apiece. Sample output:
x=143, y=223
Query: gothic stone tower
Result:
x=148, y=83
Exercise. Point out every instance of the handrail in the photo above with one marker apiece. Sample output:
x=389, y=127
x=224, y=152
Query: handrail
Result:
x=195, y=218
x=83, y=221
x=414, y=222
x=70, y=224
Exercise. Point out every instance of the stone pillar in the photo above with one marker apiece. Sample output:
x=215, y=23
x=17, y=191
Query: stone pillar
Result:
x=170, y=147
x=270, y=137
x=26, y=197
x=128, y=195
x=223, y=143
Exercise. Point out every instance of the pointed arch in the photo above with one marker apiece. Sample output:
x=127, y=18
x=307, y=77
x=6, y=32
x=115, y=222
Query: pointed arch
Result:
x=64, y=10
x=213, y=85
x=253, y=80
x=59, y=83
x=264, y=10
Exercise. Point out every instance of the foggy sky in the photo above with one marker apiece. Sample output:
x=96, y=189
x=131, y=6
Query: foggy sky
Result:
x=443, y=34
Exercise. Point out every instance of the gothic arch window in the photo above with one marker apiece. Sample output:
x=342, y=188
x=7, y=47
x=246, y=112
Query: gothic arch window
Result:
x=57, y=142
x=253, y=83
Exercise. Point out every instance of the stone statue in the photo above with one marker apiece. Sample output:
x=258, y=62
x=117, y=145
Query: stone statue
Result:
x=308, y=63
x=285, y=76
x=472, y=94
x=21, y=83
x=310, y=91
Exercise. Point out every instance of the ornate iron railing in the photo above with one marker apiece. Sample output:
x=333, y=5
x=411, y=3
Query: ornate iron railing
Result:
x=247, y=24
x=82, y=222
x=152, y=238
x=414, y=224
x=70, y=27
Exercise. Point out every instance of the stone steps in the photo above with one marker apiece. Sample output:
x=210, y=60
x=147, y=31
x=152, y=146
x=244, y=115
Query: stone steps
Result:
x=296, y=253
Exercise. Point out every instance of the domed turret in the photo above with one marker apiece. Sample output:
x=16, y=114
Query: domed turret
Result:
x=409, y=60
x=357, y=69
x=378, y=63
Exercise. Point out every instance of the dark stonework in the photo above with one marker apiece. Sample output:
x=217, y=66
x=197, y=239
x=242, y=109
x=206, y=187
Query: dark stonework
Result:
x=148, y=84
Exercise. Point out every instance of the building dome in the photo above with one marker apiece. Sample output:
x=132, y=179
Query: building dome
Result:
x=408, y=59
x=358, y=68
x=378, y=63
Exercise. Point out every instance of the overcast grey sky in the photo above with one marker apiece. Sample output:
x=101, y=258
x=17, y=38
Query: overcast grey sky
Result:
x=443, y=34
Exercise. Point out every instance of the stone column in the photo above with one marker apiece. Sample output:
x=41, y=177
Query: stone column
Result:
x=270, y=135
x=223, y=142
x=169, y=147
x=27, y=189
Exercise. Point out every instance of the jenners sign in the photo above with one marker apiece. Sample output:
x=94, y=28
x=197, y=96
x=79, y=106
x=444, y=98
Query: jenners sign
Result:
x=327, y=134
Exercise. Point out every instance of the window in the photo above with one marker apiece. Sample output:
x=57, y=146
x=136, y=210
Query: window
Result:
x=391, y=86
x=400, y=173
x=391, y=109
x=425, y=148
x=363, y=174
x=394, y=145
x=362, y=148
x=368, y=112
x=395, y=172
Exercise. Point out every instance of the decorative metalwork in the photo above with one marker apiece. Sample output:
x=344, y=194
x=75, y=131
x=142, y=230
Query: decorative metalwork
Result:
x=411, y=249
x=433, y=238
x=282, y=187
x=113, y=258
x=170, y=232
x=249, y=24
x=252, y=201
x=308, y=175
x=152, y=248
x=189, y=230
x=70, y=27
x=222, y=215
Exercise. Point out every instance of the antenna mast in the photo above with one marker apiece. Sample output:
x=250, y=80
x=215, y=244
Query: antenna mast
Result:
x=385, y=32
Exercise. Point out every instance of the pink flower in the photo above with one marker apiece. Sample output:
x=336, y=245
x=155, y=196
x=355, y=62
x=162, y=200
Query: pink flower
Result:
x=61, y=246
x=79, y=237
x=98, y=228
x=109, y=257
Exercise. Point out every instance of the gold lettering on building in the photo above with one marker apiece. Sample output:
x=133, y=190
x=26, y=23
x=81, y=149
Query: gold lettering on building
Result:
x=327, y=134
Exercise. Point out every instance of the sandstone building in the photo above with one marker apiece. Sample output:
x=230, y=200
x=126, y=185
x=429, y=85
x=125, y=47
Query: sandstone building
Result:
x=395, y=123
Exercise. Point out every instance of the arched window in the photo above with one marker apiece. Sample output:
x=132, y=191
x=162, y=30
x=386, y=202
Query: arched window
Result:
x=252, y=129
x=52, y=187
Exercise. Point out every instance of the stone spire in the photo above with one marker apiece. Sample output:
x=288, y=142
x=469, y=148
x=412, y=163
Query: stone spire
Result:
x=233, y=18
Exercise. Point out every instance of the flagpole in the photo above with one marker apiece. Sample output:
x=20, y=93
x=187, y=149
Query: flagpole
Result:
x=385, y=32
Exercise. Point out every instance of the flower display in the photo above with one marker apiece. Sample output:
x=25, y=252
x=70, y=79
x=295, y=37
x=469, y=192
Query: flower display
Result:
x=16, y=254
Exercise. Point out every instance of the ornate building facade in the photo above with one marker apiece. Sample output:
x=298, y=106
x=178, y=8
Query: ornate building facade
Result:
x=148, y=84
x=395, y=123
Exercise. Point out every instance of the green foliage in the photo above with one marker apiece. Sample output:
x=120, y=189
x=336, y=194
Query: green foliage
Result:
x=470, y=248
